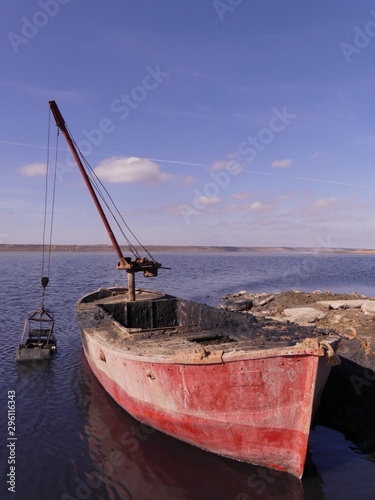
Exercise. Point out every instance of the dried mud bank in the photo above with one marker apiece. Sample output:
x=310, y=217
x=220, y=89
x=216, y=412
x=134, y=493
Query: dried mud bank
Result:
x=348, y=402
x=351, y=316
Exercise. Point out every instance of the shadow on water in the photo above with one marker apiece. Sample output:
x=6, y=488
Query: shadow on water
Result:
x=342, y=441
x=348, y=404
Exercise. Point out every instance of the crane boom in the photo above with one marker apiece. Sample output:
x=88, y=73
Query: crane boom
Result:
x=149, y=268
x=60, y=122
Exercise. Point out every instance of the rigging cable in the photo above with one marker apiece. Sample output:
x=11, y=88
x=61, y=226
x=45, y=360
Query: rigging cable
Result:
x=94, y=176
x=46, y=196
x=95, y=181
x=96, y=187
x=53, y=203
x=45, y=276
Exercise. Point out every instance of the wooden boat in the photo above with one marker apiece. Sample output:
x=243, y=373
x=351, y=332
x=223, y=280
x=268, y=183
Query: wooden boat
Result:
x=219, y=380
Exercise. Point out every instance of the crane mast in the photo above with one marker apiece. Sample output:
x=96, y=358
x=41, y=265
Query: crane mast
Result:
x=149, y=268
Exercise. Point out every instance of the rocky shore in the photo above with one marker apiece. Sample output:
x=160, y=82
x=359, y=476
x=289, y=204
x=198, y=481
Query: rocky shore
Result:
x=351, y=316
x=348, y=401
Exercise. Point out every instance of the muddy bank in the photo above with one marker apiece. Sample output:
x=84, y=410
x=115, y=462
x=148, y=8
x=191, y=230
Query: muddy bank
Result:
x=348, y=401
x=351, y=316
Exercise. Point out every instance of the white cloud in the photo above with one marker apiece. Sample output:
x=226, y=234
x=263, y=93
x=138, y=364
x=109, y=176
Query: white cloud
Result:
x=174, y=210
x=321, y=158
x=207, y=200
x=323, y=204
x=258, y=206
x=189, y=179
x=282, y=163
x=240, y=196
x=33, y=169
x=232, y=162
x=130, y=170
x=223, y=165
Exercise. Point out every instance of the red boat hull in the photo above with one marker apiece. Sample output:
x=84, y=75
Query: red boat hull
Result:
x=255, y=408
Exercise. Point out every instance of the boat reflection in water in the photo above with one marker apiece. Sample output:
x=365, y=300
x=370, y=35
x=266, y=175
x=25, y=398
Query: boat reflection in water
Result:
x=131, y=460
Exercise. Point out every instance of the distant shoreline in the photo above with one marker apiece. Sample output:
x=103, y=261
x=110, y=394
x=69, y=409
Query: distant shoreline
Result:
x=183, y=249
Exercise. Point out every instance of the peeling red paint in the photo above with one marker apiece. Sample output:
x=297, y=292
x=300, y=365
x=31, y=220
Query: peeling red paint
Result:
x=242, y=410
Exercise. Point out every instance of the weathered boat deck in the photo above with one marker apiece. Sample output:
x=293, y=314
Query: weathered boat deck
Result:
x=168, y=327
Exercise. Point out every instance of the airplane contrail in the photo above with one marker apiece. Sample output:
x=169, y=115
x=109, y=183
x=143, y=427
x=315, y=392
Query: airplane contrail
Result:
x=310, y=179
x=23, y=144
x=178, y=162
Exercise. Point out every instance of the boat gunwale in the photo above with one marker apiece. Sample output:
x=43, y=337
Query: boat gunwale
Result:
x=184, y=356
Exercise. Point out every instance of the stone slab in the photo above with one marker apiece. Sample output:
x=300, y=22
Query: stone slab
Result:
x=303, y=314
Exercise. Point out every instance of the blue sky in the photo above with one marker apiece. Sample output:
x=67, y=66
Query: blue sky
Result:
x=243, y=123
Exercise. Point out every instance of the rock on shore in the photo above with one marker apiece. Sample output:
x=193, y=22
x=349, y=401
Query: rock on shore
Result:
x=352, y=316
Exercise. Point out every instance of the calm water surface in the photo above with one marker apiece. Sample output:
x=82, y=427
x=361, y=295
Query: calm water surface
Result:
x=75, y=442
